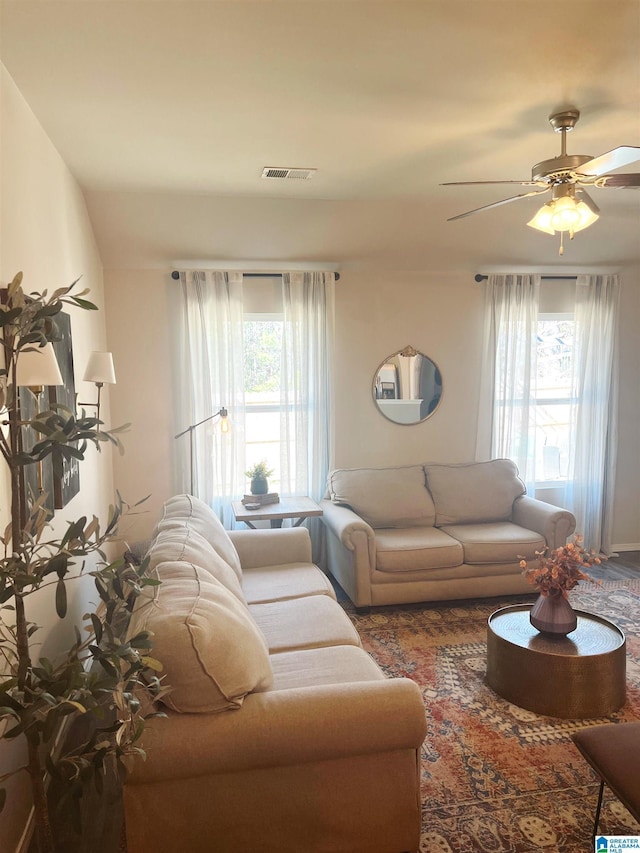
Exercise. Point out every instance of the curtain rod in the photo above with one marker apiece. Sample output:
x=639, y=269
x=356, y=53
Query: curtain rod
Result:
x=480, y=277
x=175, y=275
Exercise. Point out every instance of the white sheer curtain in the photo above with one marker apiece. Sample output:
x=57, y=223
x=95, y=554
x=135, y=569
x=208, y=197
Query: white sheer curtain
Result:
x=308, y=300
x=507, y=388
x=212, y=376
x=594, y=416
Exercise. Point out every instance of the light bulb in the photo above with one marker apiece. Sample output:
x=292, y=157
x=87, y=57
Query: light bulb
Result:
x=565, y=216
x=587, y=216
x=542, y=220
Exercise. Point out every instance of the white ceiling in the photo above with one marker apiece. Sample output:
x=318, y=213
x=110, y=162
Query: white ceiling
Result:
x=166, y=112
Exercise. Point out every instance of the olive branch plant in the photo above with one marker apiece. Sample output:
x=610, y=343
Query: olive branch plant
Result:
x=105, y=677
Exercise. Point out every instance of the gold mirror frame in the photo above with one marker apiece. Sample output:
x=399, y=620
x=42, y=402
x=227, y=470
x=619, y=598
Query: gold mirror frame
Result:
x=407, y=387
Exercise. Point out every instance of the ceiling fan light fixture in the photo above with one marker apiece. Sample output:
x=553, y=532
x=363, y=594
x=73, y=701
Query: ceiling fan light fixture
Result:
x=563, y=214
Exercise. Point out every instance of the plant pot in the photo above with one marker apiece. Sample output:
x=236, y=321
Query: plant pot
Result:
x=259, y=486
x=553, y=615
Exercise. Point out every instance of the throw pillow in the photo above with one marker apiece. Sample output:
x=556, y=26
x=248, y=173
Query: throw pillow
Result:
x=212, y=652
x=474, y=492
x=200, y=517
x=384, y=497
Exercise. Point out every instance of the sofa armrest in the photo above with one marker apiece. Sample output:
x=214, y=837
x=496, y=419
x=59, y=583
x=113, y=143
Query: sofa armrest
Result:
x=555, y=524
x=272, y=547
x=344, y=523
x=283, y=728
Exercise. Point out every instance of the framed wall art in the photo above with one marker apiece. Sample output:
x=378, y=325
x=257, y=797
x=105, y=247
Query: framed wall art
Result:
x=68, y=485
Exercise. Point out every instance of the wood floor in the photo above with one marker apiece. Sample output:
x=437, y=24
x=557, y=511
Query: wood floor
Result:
x=626, y=566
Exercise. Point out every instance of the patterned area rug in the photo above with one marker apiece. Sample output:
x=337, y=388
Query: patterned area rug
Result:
x=494, y=776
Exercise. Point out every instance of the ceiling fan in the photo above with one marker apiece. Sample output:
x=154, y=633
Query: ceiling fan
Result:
x=570, y=208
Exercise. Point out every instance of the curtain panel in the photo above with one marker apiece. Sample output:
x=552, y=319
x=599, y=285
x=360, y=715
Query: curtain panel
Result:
x=308, y=300
x=212, y=375
x=594, y=415
x=507, y=386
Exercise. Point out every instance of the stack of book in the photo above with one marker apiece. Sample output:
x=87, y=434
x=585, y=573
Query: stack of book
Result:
x=269, y=498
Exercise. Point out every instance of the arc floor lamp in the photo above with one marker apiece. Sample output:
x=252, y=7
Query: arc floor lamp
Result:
x=224, y=427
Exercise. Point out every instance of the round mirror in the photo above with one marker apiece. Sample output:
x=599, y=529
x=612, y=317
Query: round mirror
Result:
x=407, y=387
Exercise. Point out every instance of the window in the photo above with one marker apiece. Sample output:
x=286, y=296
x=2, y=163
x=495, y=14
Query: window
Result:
x=261, y=348
x=262, y=372
x=553, y=397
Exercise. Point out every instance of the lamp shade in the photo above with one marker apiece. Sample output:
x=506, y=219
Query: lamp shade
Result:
x=100, y=368
x=564, y=213
x=542, y=220
x=38, y=367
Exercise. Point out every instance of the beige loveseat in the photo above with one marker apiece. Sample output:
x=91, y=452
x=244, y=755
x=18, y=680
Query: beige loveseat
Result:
x=281, y=734
x=435, y=532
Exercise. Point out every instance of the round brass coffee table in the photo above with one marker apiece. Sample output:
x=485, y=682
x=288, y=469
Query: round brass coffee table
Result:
x=582, y=675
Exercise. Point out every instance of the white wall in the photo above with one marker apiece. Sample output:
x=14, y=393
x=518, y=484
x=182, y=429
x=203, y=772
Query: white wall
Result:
x=46, y=233
x=626, y=511
x=378, y=313
x=141, y=323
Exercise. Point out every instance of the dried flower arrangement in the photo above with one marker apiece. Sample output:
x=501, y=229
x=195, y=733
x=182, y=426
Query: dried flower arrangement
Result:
x=562, y=569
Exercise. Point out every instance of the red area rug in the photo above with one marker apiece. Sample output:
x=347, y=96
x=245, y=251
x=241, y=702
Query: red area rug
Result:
x=496, y=777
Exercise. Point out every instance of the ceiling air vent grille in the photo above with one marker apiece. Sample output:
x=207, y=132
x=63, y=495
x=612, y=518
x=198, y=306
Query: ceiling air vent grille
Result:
x=283, y=174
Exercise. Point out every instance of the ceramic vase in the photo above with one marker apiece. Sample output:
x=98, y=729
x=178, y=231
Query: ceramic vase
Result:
x=552, y=614
x=259, y=486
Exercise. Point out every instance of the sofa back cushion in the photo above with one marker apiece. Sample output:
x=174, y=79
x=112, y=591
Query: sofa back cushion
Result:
x=384, y=497
x=212, y=652
x=200, y=517
x=177, y=541
x=474, y=492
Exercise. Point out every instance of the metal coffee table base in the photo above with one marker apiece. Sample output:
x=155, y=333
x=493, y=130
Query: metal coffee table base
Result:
x=580, y=676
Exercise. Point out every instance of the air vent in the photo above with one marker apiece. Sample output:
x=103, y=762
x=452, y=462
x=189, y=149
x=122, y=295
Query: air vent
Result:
x=281, y=173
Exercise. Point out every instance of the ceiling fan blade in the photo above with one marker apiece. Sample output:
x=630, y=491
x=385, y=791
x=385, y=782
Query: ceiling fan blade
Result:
x=622, y=156
x=620, y=181
x=497, y=204
x=475, y=183
x=586, y=198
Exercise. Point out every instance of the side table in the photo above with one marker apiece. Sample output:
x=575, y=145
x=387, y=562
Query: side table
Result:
x=580, y=676
x=296, y=507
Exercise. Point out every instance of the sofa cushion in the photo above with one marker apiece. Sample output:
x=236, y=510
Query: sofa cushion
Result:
x=180, y=542
x=384, y=497
x=200, y=517
x=416, y=548
x=496, y=542
x=328, y=665
x=474, y=492
x=304, y=623
x=212, y=652
x=278, y=583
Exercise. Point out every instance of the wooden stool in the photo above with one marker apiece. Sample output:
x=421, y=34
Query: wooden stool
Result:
x=613, y=751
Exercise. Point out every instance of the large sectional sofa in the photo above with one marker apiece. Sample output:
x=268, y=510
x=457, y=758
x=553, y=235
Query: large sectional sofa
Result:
x=435, y=531
x=281, y=733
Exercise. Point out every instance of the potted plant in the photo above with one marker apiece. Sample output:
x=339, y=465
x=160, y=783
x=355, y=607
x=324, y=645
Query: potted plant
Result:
x=258, y=475
x=554, y=575
x=101, y=679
